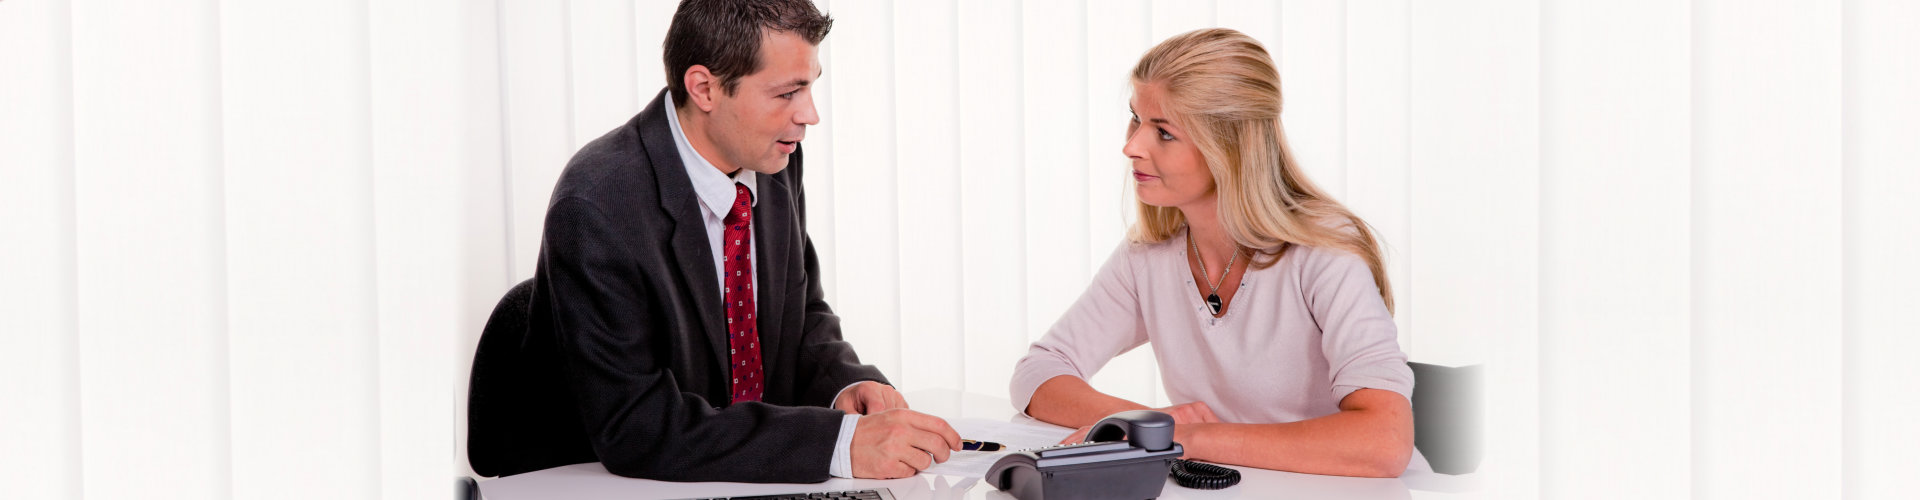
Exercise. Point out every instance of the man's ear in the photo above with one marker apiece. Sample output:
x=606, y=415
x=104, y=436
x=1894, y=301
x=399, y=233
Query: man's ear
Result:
x=700, y=87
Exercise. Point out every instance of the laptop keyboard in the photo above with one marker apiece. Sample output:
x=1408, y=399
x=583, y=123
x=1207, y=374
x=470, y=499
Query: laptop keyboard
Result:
x=873, y=494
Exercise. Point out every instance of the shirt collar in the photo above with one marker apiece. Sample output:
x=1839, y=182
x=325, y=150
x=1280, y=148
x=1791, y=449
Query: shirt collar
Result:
x=714, y=188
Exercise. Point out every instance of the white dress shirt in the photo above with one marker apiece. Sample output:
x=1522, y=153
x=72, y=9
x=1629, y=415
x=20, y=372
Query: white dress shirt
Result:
x=716, y=193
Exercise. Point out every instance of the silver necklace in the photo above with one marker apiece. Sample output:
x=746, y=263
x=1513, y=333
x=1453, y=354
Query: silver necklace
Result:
x=1213, y=292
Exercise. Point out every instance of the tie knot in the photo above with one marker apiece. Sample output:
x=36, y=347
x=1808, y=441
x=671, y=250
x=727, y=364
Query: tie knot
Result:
x=742, y=210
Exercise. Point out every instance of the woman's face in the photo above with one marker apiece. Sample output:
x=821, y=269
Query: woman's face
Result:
x=1168, y=170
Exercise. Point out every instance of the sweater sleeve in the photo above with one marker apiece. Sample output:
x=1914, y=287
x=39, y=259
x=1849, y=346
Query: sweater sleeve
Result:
x=1358, y=335
x=1105, y=322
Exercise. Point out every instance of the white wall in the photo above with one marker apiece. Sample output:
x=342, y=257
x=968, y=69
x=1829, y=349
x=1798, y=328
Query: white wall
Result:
x=254, y=243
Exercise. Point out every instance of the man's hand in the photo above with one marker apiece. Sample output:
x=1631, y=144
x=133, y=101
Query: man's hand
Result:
x=899, y=443
x=1196, y=412
x=869, y=397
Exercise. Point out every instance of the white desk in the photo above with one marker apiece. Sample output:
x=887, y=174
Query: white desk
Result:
x=592, y=481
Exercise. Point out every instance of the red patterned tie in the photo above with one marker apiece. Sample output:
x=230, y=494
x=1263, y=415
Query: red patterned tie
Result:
x=742, y=337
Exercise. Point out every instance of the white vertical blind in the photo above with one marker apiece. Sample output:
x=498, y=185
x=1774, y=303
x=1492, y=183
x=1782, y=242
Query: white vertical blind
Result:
x=926, y=158
x=1614, y=199
x=650, y=21
x=1117, y=34
x=1377, y=148
x=482, y=186
x=299, y=209
x=1313, y=83
x=42, y=436
x=150, y=250
x=1475, y=197
x=1052, y=75
x=1766, y=244
x=991, y=186
x=1116, y=37
x=1880, y=115
x=866, y=173
x=422, y=117
x=536, y=75
x=255, y=243
x=1173, y=17
x=603, y=55
x=819, y=153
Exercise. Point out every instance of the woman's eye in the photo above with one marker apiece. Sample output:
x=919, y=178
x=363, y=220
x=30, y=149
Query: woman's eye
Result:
x=1164, y=136
x=789, y=95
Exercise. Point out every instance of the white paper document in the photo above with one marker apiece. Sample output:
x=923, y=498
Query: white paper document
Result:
x=1020, y=434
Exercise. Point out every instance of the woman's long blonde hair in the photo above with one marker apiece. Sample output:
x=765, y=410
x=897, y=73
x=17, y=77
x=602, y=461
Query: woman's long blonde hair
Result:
x=1222, y=88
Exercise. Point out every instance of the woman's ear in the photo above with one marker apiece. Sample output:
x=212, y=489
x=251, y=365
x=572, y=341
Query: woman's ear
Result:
x=700, y=87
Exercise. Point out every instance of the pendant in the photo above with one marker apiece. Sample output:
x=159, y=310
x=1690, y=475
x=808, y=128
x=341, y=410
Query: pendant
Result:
x=1213, y=301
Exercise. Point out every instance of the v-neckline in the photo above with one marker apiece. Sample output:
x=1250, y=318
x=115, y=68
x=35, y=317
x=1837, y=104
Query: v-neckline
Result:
x=1198, y=299
x=1201, y=293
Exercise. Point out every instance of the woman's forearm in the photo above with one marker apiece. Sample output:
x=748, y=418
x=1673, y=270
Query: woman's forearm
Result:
x=1068, y=401
x=1373, y=438
x=1372, y=435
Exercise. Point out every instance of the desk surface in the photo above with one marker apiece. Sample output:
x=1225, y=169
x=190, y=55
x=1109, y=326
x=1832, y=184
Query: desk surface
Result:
x=592, y=481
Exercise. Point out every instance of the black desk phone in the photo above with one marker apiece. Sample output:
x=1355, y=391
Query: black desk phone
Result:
x=1104, y=467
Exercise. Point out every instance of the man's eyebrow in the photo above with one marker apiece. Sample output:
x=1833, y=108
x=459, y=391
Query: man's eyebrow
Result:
x=797, y=82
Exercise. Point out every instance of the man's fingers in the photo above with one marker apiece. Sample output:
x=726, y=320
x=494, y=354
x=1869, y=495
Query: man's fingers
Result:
x=863, y=401
x=895, y=399
x=933, y=446
x=876, y=397
x=901, y=469
x=849, y=403
x=880, y=397
x=907, y=452
x=899, y=400
x=938, y=427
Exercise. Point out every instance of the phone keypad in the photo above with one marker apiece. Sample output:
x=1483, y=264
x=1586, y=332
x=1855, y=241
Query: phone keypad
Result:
x=1076, y=448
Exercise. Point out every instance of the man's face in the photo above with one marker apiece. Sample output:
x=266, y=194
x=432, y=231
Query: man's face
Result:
x=768, y=112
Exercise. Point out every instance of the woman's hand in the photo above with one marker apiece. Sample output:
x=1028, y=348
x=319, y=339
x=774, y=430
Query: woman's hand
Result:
x=1196, y=412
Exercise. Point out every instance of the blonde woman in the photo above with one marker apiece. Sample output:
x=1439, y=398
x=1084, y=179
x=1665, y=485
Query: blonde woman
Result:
x=1263, y=298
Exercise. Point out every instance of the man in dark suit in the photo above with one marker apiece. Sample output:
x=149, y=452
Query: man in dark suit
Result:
x=678, y=329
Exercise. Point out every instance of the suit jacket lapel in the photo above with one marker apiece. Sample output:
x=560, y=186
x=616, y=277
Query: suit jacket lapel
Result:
x=772, y=238
x=691, y=251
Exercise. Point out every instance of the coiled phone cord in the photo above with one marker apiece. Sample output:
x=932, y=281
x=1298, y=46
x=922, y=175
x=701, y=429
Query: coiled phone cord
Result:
x=1202, y=476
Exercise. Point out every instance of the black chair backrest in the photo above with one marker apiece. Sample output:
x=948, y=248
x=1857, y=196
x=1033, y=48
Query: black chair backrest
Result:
x=1446, y=416
x=510, y=315
x=497, y=383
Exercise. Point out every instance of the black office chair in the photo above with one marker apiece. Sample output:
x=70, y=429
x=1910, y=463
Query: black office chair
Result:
x=497, y=384
x=506, y=328
x=1447, y=416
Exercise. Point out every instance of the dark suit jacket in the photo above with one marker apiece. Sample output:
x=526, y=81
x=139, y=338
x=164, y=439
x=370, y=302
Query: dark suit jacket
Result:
x=625, y=360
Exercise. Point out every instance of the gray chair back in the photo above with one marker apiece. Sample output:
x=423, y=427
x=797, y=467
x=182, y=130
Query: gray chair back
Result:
x=465, y=488
x=1447, y=416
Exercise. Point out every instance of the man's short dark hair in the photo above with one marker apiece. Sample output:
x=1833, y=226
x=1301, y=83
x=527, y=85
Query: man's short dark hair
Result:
x=724, y=36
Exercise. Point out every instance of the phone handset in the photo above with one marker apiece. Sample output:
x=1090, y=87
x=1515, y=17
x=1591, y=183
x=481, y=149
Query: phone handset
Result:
x=1153, y=430
x=1104, y=469
x=1145, y=429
